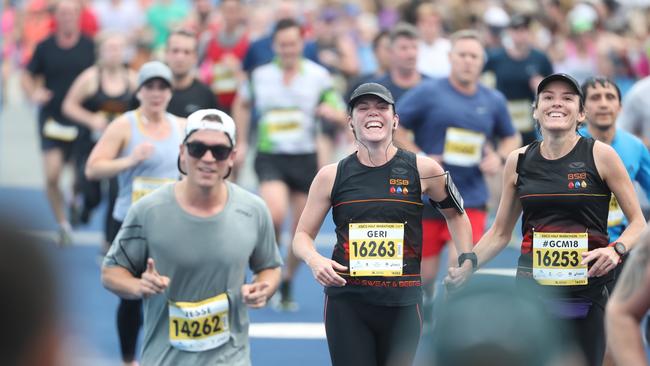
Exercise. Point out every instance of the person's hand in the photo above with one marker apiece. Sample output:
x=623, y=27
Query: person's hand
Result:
x=151, y=282
x=457, y=276
x=324, y=271
x=326, y=112
x=142, y=152
x=604, y=260
x=255, y=294
x=41, y=96
x=491, y=162
x=328, y=57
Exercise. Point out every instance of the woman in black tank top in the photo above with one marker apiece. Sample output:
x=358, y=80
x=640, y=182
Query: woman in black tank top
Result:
x=98, y=95
x=562, y=186
x=372, y=283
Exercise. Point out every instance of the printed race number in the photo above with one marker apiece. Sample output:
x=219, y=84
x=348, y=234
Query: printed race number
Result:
x=199, y=326
x=374, y=249
x=197, y=329
x=557, y=259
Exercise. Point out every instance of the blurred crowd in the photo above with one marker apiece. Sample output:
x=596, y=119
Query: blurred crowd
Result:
x=604, y=37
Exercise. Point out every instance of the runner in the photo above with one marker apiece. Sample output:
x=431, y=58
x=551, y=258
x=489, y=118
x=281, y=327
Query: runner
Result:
x=402, y=74
x=184, y=249
x=289, y=95
x=98, y=95
x=188, y=93
x=221, y=68
x=140, y=148
x=602, y=104
x=372, y=283
x=455, y=120
x=518, y=67
x=563, y=186
x=55, y=64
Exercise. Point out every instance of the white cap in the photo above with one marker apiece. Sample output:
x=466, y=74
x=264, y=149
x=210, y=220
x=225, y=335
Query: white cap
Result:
x=197, y=121
x=497, y=17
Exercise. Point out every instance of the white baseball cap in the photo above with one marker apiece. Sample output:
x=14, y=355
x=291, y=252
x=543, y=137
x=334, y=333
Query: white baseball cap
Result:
x=211, y=119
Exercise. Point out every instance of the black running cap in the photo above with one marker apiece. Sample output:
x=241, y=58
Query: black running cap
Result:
x=375, y=89
x=561, y=77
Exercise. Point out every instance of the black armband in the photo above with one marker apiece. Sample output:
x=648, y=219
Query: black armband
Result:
x=454, y=199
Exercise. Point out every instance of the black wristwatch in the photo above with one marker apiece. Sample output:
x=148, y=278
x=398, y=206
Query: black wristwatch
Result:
x=471, y=256
x=619, y=248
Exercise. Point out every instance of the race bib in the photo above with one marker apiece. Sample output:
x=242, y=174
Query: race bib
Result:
x=520, y=112
x=199, y=326
x=224, y=79
x=557, y=257
x=142, y=186
x=463, y=147
x=616, y=215
x=376, y=249
x=281, y=127
x=57, y=131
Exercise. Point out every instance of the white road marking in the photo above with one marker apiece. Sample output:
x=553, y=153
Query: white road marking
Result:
x=287, y=330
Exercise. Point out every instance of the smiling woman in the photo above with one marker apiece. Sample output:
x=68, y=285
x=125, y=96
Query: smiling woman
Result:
x=372, y=281
x=559, y=105
x=563, y=186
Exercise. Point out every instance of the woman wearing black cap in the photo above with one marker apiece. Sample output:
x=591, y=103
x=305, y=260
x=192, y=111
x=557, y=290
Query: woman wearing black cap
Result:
x=563, y=186
x=372, y=283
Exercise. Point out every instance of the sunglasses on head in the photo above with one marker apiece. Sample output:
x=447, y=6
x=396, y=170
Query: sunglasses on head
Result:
x=197, y=150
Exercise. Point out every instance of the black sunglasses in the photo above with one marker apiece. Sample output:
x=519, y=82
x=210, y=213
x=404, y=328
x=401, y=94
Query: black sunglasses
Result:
x=197, y=150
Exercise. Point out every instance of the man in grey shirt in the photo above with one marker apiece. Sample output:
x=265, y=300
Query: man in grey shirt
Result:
x=184, y=249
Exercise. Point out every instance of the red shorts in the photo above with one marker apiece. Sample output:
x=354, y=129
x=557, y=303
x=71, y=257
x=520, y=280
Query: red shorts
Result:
x=435, y=233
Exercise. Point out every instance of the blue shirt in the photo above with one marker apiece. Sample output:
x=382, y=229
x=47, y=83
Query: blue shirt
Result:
x=396, y=90
x=434, y=105
x=636, y=159
x=261, y=52
x=513, y=76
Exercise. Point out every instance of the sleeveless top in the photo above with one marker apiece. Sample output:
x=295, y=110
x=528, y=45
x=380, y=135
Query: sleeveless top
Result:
x=149, y=174
x=566, y=195
x=112, y=106
x=378, y=214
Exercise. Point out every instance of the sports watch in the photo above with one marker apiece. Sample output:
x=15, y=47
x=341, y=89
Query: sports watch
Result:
x=471, y=256
x=619, y=248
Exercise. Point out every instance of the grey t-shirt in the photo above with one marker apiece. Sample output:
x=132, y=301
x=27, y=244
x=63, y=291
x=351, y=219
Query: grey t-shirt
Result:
x=203, y=257
x=635, y=115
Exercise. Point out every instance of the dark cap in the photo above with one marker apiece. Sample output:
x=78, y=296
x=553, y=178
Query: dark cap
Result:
x=519, y=20
x=573, y=83
x=375, y=89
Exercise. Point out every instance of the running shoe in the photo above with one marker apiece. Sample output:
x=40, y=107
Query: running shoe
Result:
x=286, y=303
x=64, y=237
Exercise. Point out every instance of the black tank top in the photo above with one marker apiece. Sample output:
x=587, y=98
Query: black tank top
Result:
x=389, y=194
x=566, y=195
x=112, y=106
